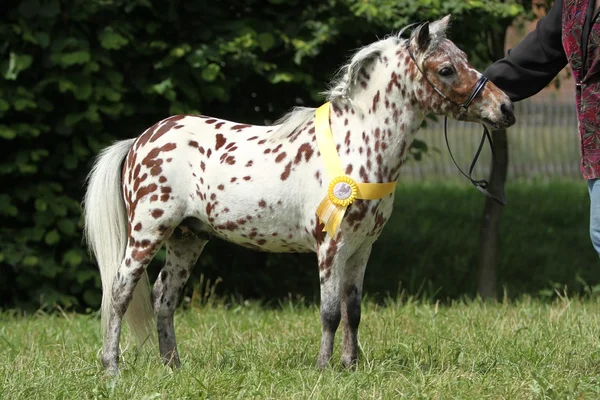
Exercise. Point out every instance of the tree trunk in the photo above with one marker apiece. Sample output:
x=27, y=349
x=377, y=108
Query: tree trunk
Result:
x=492, y=213
x=490, y=222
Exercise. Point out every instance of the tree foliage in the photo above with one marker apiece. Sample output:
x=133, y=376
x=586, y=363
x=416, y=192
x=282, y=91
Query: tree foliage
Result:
x=76, y=75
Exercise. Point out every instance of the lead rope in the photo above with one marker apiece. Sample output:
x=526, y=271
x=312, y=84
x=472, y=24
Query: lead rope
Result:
x=480, y=184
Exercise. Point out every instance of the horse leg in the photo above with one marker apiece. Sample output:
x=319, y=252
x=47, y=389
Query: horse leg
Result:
x=351, y=293
x=330, y=263
x=131, y=269
x=183, y=249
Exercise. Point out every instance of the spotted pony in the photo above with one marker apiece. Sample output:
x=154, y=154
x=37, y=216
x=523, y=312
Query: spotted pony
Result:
x=192, y=177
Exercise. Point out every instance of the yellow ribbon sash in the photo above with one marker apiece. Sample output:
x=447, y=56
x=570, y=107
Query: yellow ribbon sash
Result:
x=342, y=190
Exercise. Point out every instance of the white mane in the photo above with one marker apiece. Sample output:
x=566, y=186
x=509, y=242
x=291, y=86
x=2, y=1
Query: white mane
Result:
x=347, y=75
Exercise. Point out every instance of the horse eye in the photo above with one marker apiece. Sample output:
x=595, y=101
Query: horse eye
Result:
x=446, y=71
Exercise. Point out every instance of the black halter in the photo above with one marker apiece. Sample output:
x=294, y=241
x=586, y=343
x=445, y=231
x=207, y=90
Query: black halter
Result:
x=481, y=184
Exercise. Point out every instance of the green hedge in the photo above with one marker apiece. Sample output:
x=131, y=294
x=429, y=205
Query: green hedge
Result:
x=76, y=75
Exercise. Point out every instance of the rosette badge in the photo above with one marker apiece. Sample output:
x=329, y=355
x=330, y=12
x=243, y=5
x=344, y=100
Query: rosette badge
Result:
x=342, y=190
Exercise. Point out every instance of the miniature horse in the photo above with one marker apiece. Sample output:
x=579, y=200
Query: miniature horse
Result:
x=191, y=177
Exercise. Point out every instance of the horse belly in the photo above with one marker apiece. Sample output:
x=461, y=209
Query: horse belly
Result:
x=252, y=207
x=266, y=239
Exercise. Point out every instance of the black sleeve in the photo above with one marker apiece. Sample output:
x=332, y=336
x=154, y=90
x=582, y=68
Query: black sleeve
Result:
x=535, y=61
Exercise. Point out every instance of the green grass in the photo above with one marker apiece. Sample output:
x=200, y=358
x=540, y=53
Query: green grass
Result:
x=467, y=350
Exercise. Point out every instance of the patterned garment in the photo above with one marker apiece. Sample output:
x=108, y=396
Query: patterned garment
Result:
x=584, y=59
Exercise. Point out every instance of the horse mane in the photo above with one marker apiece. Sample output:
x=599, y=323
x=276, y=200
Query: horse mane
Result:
x=346, y=76
x=297, y=117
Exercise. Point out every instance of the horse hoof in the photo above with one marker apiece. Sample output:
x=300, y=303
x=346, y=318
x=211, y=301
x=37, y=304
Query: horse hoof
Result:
x=322, y=364
x=349, y=363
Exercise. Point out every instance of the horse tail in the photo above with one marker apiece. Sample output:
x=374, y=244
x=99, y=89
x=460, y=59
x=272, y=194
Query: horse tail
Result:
x=105, y=231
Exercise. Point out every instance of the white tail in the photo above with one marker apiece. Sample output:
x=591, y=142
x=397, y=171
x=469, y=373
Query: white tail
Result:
x=105, y=232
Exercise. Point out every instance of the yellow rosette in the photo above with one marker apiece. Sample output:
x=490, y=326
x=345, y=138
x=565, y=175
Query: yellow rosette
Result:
x=342, y=189
x=342, y=192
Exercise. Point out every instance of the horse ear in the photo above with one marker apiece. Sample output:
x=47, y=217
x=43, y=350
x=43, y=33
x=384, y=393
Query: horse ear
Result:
x=439, y=27
x=423, y=37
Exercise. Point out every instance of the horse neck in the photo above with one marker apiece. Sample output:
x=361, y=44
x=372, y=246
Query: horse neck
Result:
x=375, y=129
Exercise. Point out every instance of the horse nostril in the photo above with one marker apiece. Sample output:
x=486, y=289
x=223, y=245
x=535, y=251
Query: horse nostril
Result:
x=507, y=109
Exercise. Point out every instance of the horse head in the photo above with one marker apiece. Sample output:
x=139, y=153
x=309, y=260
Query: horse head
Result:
x=447, y=84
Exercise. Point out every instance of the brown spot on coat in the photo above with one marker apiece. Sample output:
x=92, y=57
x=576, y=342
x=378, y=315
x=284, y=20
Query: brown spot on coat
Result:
x=330, y=254
x=138, y=181
x=209, y=208
x=220, y=139
x=286, y=171
x=151, y=161
x=357, y=212
x=229, y=226
x=162, y=130
x=240, y=127
x=318, y=233
x=308, y=151
x=157, y=212
x=375, y=101
x=363, y=174
x=280, y=157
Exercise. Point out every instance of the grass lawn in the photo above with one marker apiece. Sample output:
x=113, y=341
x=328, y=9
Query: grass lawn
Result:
x=525, y=349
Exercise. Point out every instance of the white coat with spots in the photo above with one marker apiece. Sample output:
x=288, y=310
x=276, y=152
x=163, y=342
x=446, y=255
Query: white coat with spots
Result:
x=190, y=177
